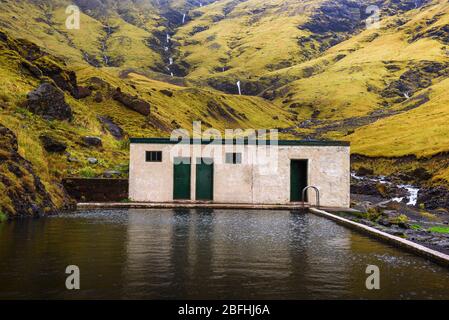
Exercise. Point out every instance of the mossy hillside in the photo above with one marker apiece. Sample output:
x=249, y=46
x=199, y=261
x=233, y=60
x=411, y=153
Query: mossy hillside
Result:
x=420, y=131
x=168, y=102
x=35, y=23
x=176, y=107
x=257, y=42
x=247, y=38
x=352, y=86
x=15, y=83
x=125, y=46
x=215, y=110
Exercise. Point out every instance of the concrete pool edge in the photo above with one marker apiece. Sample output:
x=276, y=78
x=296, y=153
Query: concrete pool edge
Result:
x=192, y=205
x=433, y=255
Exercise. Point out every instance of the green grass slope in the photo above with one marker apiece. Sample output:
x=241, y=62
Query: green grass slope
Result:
x=308, y=67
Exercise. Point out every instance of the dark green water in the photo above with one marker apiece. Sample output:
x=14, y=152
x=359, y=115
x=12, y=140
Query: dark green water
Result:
x=198, y=254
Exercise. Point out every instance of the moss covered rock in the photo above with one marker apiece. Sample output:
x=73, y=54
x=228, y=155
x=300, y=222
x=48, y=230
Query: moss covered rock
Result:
x=21, y=189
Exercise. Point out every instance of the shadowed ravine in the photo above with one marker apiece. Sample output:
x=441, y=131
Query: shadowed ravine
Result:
x=205, y=254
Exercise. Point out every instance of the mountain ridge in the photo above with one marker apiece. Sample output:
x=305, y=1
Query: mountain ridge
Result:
x=308, y=68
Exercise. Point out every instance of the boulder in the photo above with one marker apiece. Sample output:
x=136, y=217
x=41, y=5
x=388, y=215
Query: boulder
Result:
x=92, y=141
x=363, y=206
x=83, y=92
x=113, y=128
x=441, y=243
x=434, y=197
x=362, y=171
x=53, y=68
x=132, y=102
x=420, y=174
x=167, y=93
x=52, y=145
x=96, y=83
x=377, y=189
x=111, y=174
x=31, y=68
x=49, y=102
x=92, y=160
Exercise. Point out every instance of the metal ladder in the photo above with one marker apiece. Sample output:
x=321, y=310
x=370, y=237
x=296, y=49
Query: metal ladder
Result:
x=304, y=196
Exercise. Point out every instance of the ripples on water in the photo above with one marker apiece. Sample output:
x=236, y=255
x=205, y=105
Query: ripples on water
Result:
x=205, y=254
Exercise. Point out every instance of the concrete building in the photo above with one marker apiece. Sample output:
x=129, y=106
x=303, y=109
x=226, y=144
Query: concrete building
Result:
x=239, y=171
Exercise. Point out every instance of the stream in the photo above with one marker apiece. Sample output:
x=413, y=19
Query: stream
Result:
x=412, y=191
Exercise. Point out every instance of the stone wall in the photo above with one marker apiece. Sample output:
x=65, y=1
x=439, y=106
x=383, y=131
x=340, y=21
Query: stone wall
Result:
x=97, y=190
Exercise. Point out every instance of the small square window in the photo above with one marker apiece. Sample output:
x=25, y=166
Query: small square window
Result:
x=233, y=158
x=153, y=156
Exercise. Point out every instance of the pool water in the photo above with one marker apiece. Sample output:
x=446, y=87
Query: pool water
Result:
x=205, y=254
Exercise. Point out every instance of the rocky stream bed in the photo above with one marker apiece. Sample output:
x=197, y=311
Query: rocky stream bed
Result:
x=401, y=209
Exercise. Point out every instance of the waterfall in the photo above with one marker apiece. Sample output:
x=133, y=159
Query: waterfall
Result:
x=238, y=86
x=183, y=18
x=168, y=38
x=170, y=61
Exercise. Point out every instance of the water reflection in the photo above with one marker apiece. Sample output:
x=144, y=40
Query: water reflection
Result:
x=205, y=254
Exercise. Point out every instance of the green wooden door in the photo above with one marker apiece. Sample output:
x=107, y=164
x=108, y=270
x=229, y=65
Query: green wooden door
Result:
x=298, y=179
x=205, y=179
x=181, y=179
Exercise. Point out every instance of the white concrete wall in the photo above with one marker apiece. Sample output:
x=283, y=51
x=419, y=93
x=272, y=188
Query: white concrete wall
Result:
x=249, y=182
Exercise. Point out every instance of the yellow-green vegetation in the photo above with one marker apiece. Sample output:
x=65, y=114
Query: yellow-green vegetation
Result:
x=384, y=90
x=3, y=217
x=439, y=229
x=172, y=106
x=428, y=215
x=248, y=37
x=401, y=219
x=373, y=214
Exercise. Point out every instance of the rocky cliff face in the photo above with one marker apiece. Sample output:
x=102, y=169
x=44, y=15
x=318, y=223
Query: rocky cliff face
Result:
x=21, y=190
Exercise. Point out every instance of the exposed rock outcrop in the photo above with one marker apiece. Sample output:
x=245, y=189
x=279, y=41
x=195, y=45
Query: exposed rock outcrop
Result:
x=83, y=92
x=41, y=64
x=376, y=189
x=418, y=77
x=21, y=191
x=92, y=141
x=52, y=145
x=434, y=198
x=49, y=102
x=132, y=102
x=112, y=127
